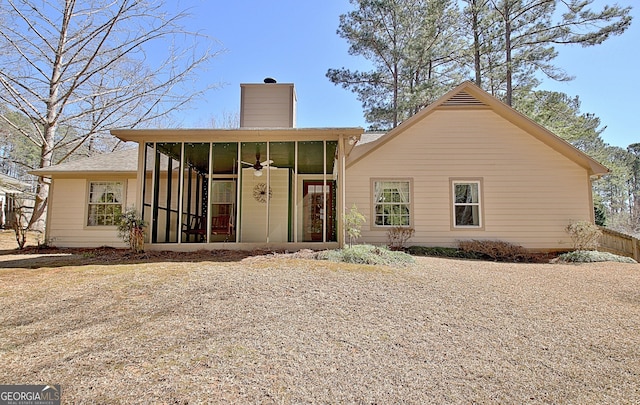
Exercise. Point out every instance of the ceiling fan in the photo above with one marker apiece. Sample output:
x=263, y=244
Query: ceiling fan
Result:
x=258, y=165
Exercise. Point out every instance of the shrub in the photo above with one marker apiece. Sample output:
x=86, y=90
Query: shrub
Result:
x=591, y=256
x=441, y=252
x=498, y=251
x=584, y=234
x=398, y=236
x=367, y=254
x=131, y=230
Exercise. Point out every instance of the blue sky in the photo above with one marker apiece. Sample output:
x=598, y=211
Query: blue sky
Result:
x=296, y=42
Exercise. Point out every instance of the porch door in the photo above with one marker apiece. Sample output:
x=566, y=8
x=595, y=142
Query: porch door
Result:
x=313, y=210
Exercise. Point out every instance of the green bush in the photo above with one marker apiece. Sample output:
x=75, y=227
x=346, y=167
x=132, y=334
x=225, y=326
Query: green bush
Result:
x=591, y=256
x=367, y=254
x=441, y=252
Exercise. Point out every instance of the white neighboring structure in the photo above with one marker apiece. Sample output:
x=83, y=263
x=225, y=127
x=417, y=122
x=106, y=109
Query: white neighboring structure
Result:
x=10, y=189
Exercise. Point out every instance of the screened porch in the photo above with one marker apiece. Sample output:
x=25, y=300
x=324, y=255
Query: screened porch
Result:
x=252, y=193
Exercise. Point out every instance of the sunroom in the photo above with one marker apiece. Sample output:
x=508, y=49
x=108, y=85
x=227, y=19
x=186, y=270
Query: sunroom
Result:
x=243, y=188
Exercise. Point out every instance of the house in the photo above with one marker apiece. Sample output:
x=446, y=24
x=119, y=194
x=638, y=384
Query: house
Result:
x=13, y=192
x=465, y=167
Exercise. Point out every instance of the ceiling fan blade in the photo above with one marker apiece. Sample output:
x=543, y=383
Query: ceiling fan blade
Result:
x=266, y=162
x=246, y=163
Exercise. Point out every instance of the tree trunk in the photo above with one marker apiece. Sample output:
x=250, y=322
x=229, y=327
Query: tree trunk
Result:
x=395, y=95
x=507, y=48
x=51, y=123
x=42, y=189
x=476, y=41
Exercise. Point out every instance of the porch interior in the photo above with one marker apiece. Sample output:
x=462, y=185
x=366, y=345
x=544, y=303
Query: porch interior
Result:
x=241, y=194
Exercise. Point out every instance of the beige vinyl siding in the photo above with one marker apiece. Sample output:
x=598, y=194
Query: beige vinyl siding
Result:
x=267, y=106
x=68, y=205
x=530, y=191
x=254, y=214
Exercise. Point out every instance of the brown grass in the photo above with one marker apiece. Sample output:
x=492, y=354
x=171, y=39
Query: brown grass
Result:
x=276, y=329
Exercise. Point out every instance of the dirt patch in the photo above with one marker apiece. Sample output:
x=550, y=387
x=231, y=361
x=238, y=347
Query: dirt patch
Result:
x=279, y=329
x=35, y=255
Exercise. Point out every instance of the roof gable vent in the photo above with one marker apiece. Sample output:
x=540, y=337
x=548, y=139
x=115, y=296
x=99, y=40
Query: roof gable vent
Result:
x=463, y=99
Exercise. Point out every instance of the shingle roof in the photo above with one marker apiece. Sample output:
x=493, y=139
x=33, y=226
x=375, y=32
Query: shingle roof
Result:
x=123, y=161
x=8, y=183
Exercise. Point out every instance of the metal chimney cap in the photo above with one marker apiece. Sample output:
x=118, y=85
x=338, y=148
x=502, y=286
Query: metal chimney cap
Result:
x=270, y=80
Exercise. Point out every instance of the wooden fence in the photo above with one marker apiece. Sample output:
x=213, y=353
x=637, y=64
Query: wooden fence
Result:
x=620, y=244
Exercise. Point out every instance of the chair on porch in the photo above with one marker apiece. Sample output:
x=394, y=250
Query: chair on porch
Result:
x=196, y=226
x=221, y=225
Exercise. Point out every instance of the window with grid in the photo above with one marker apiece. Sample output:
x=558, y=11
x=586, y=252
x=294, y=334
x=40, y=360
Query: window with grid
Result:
x=466, y=204
x=392, y=202
x=105, y=202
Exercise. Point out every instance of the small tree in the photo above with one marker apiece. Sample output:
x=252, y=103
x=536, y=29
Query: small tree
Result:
x=584, y=234
x=18, y=220
x=131, y=229
x=353, y=221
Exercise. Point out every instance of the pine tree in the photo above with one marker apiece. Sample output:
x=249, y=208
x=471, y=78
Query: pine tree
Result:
x=413, y=47
x=526, y=32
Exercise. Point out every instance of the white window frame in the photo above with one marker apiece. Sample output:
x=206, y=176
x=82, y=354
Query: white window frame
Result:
x=408, y=204
x=479, y=204
x=90, y=183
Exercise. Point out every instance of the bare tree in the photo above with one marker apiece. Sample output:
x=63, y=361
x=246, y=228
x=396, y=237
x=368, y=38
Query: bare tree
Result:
x=79, y=68
x=226, y=120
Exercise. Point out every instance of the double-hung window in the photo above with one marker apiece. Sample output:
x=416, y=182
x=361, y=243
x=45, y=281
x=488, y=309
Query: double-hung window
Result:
x=105, y=202
x=392, y=202
x=467, y=209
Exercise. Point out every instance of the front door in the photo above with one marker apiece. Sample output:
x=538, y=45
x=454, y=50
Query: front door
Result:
x=314, y=208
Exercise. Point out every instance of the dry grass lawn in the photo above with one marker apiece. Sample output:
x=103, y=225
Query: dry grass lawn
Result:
x=278, y=329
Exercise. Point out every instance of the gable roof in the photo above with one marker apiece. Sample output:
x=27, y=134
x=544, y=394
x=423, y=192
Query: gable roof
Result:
x=469, y=96
x=123, y=161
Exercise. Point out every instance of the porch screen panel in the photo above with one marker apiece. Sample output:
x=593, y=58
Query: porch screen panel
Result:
x=310, y=155
x=223, y=192
x=167, y=193
x=332, y=174
x=147, y=188
x=194, y=198
x=332, y=159
x=318, y=208
x=254, y=192
x=280, y=172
